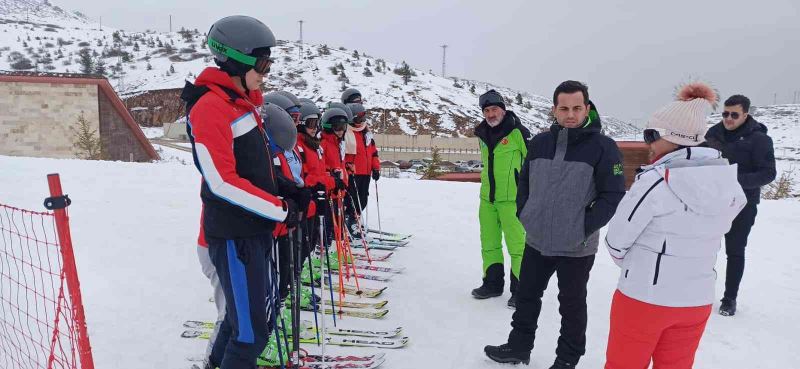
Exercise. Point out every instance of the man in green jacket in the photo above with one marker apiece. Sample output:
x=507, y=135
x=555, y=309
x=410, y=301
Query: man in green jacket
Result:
x=503, y=142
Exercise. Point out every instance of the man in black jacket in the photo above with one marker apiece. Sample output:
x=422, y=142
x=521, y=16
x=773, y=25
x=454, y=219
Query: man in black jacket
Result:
x=743, y=141
x=569, y=188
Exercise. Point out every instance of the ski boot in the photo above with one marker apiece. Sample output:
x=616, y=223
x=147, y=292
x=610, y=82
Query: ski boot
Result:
x=307, y=276
x=269, y=357
x=492, y=283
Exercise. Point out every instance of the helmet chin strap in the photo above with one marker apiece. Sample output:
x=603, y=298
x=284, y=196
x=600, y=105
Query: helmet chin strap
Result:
x=243, y=77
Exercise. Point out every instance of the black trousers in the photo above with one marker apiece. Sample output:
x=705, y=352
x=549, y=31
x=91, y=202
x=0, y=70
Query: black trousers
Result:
x=735, y=243
x=535, y=273
x=359, y=185
x=245, y=274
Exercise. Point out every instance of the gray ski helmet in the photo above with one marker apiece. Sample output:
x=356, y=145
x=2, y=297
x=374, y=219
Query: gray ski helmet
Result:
x=275, y=97
x=237, y=36
x=334, y=116
x=358, y=111
x=344, y=108
x=351, y=95
x=308, y=110
x=290, y=96
x=491, y=98
x=280, y=127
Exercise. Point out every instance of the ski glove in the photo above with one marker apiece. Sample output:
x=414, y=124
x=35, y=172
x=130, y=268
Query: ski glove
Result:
x=339, y=183
x=322, y=204
x=376, y=174
x=302, y=198
x=292, y=216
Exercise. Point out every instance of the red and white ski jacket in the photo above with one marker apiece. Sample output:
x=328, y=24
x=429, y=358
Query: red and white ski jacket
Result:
x=230, y=149
x=366, y=159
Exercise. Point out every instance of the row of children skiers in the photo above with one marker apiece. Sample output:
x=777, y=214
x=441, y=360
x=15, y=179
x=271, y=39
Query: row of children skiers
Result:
x=270, y=165
x=549, y=196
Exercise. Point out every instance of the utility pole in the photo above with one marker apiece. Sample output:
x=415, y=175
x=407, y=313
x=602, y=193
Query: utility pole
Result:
x=170, y=23
x=775, y=99
x=301, y=39
x=101, y=22
x=444, y=60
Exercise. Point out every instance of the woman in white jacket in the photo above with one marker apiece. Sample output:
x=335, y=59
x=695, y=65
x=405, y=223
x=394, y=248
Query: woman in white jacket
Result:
x=665, y=237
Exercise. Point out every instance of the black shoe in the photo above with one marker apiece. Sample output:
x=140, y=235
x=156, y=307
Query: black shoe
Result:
x=485, y=292
x=728, y=307
x=562, y=364
x=512, y=301
x=492, y=285
x=505, y=354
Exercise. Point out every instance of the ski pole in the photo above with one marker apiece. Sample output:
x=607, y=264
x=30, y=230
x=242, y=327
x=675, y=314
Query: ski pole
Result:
x=274, y=297
x=326, y=244
x=293, y=298
x=298, y=263
x=361, y=230
x=378, y=205
x=321, y=197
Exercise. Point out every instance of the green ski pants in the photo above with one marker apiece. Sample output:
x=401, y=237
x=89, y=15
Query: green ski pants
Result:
x=499, y=219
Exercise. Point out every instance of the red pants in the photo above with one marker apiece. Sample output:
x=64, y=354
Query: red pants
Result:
x=641, y=331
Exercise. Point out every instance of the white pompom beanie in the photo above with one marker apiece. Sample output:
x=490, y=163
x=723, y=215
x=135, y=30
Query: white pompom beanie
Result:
x=683, y=122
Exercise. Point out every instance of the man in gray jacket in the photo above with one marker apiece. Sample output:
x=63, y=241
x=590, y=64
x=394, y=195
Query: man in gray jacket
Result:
x=569, y=188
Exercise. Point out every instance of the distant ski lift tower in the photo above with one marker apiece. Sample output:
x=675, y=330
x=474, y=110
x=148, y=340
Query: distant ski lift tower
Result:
x=301, y=39
x=444, y=60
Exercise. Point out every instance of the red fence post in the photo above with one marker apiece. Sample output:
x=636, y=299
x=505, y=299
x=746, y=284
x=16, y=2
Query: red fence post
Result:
x=71, y=271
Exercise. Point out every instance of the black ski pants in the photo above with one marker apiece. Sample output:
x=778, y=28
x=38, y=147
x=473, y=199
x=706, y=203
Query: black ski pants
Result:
x=245, y=274
x=735, y=243
x=535, y=273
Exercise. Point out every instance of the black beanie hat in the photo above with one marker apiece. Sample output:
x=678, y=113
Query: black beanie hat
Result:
x=491, y=98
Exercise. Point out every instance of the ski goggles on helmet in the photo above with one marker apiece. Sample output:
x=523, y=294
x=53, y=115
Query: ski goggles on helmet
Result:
x=295, y=113
x=260, y=61
x=337, y=124
x=360, y=118
x=312, y=123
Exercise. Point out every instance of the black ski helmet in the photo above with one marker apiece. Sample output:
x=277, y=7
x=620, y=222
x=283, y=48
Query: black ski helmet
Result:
x=240, y=43
x=351, y=95
x=280, y=127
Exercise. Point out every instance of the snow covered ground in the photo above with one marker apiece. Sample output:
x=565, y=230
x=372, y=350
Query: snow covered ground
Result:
x=134, y=228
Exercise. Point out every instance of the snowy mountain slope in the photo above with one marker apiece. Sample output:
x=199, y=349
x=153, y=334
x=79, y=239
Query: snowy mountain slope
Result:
x=38, y=36
x=135, y=225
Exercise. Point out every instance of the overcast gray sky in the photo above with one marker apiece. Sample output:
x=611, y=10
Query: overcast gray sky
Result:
x=631, y=53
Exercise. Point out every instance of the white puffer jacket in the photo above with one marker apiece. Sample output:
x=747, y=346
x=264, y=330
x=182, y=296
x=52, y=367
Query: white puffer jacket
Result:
x=668, y=228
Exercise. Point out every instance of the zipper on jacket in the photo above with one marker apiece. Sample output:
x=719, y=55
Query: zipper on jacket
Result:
x=491, y=174
x=643, y=196
x=658, y=261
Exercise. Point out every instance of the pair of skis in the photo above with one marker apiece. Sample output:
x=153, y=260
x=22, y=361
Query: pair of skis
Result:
x=338, y=336
x=310, y=361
